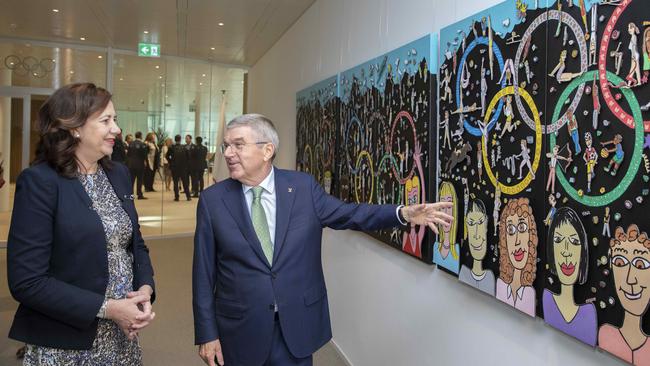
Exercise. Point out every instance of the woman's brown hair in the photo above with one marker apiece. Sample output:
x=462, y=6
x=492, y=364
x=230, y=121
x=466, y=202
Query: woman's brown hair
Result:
x=520, y=207
x=68, y=108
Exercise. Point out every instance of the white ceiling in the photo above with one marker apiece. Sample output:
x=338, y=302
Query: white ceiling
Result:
x=185, y=28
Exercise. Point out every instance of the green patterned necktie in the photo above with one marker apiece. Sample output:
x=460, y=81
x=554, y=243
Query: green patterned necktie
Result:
x=260, y=224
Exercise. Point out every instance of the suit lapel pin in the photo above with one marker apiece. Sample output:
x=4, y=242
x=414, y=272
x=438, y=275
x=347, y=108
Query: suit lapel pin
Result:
x=290, y=189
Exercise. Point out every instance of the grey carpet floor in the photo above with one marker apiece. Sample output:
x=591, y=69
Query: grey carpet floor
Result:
x=169, y=339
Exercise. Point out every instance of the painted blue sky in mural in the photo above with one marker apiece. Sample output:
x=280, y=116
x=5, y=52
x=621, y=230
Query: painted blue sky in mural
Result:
x=324, y=90
x=405, y=59
x=503, y=19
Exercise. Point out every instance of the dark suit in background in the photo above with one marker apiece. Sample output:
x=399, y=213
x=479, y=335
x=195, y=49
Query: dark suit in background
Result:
x=191, y=156
x=178, y=157
x=136, y=156
x=119, y=151
x=198, y=166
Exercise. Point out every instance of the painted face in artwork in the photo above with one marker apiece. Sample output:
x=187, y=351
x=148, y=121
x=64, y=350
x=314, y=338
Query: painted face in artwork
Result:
x=327, y=181
x=517, y=238
x=631, y=269
x=567, y=253
x=477, y=232
x=447, y=198
x=412, y=191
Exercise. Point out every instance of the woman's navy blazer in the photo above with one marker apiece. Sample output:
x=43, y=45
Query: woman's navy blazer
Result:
x=57, y=263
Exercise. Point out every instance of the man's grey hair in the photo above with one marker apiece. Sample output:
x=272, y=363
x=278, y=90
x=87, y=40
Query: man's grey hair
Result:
x=260, y=124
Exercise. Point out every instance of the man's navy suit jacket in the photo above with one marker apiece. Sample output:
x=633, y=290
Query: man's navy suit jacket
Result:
x=235, y=288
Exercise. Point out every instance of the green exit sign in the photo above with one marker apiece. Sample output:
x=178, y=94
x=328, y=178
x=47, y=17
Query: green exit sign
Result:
x=148, y=49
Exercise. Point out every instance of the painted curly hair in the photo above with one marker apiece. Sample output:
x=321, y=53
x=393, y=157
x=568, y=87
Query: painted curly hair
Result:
x=520, y=207
x=633, y=234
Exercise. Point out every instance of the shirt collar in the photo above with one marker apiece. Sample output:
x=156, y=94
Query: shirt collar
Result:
x=268, y=183
x=520, y=292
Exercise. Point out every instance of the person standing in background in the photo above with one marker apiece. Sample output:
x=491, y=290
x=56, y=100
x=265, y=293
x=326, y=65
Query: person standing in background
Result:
x=190, y=156
x=150, y=163
x=119, y=150
x=128, y=139
x=167, y=172
x=198, y=166
x=136, y=155
x=178, y=160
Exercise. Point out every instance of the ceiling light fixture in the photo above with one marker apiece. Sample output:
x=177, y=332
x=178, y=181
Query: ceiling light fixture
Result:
x=83, y=38
x=55, y=10
x=146, y=32
x=203, y=75
x=159, y=77
x=220, y=24
x=157, y=66
x=100, y=56
x=212, y=48
x=71, y=71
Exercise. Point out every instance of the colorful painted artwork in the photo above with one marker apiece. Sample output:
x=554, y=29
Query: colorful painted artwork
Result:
x=518, y=243
x=568, y=259
x=629, y=257
x=488, y=150
x=317, y=116
x=476, y=226
x=446, y=251
x=540, y=139
x=386, y=152
x=549, y=101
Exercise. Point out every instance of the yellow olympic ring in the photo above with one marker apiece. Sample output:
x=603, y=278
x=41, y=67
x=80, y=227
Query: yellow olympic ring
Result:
x=512, y=190
x=372, y=176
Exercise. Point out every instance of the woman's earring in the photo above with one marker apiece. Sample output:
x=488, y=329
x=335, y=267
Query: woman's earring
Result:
x=77, y=135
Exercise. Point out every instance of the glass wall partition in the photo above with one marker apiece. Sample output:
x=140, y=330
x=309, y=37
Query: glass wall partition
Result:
x=165, y=96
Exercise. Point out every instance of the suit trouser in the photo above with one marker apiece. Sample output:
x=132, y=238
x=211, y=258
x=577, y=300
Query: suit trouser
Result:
x=280, y=354
x=197, y=181
x=137, y=174
x=149, y=176
x=183, y=177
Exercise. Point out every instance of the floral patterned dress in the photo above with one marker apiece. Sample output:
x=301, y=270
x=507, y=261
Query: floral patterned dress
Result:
x=111, y=345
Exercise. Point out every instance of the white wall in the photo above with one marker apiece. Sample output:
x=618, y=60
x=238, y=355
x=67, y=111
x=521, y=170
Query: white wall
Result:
x=387, y=308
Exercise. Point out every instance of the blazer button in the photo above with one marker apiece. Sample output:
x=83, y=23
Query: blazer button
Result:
x=274, y=275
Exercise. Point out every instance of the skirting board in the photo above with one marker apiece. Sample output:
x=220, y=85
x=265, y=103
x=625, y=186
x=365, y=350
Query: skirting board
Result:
x=341, y=353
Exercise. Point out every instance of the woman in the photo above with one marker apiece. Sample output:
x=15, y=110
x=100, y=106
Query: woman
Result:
x=150, y=163
x=82, y=275
x=445, y=252
x=568, y=251
x=517, y=256
x=633, y=77
x=476, y=223
x=629, y=260
x=416, y=193
x=167, y=170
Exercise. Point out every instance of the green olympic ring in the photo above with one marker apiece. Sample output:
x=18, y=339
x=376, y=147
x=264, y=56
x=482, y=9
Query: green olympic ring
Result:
x=635, y=162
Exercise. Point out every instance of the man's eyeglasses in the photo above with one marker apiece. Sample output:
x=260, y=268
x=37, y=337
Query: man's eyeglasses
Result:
x=239, y=146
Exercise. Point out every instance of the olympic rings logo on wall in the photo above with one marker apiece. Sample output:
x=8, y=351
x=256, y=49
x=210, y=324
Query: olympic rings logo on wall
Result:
x=30, y=65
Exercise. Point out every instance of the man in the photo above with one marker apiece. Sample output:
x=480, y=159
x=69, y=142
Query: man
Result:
x=136, y=155
x=259, y=292
x=119, y=150
x=198, y=166
x=190, y=156
x=178, y=159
